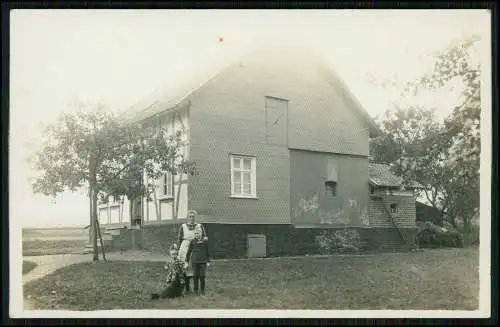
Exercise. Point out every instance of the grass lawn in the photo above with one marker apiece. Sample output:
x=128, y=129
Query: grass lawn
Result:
x=438, y=279
x=28, y=266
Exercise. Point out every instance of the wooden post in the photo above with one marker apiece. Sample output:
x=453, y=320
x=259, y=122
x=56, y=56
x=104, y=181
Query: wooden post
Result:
x=102, y=242
x=133, y=238
x=94, y=226
x=173, y=176
x=177, y=201
x=156, y=204
x=90, y=216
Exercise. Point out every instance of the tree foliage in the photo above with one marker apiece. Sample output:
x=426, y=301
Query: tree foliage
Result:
x=443, y=157
x=98, y=150
x=405, y=131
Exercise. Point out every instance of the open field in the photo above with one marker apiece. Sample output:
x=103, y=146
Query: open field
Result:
x=41, y=241
x=445, y=279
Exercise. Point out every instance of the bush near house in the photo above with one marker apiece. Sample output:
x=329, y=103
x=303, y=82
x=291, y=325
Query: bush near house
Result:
x=472, y=238
x=433, y=236
x=341, y=241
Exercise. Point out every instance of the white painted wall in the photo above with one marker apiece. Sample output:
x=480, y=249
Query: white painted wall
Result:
x=119, y=213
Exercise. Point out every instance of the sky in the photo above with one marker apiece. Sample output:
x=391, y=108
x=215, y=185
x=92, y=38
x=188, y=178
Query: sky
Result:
x=117, y=57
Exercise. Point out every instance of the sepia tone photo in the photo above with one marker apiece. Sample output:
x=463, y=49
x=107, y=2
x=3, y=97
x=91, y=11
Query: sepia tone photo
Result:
x=174, y=163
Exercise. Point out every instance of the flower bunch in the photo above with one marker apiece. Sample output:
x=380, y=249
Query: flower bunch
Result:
x=175, y=271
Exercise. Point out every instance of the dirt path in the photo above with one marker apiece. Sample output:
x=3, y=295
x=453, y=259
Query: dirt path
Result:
x=47, y=264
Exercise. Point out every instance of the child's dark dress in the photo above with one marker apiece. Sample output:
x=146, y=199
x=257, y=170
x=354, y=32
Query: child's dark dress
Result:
x=198, y=255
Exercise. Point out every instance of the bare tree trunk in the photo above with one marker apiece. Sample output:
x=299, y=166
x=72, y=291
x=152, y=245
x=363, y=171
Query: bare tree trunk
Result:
x=452, y=221
x=132, y=222
x=94, y=224
x=90, y=216
x=102, y=242
x=467, y=224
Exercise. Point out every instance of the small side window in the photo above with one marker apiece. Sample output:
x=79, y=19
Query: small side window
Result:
x=330, y=188
x=394, y=208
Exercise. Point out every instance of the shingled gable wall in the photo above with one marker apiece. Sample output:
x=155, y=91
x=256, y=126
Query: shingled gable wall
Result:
x=227, y=116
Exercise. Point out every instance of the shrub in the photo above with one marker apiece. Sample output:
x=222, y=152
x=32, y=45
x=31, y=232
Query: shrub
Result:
x=346, y=240
x=432, y=236
x=471, y=238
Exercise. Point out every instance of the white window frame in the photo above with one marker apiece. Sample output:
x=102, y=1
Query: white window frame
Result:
x=166, y=178
x=253, y=176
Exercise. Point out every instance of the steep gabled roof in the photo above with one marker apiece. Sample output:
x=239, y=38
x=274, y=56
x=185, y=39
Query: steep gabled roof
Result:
x=165, y=98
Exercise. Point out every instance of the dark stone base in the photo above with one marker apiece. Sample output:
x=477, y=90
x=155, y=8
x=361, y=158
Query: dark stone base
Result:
x=230, y=241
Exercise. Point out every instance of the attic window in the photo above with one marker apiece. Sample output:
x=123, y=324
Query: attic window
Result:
x=394, y=208
x=330, y=188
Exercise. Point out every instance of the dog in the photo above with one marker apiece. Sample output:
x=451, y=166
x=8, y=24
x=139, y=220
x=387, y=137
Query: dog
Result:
x=175, y=281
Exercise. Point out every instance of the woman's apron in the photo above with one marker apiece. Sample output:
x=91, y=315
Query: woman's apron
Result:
x=188, y=236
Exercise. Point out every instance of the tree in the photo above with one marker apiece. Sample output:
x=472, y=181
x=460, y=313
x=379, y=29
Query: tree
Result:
x=456, y=62
x=433, y=171
x=449, y=163
x=144, y=162
x=405, y=131
x=462, y=126
x=96, y=149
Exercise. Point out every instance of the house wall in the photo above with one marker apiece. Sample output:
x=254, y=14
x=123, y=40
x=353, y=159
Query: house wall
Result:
x=405, y=216
x=230, y=240
x=114, y=212
x=320, y=117
x=310, y=204
x=226, y=120
x=228, y=115
x=158, y=208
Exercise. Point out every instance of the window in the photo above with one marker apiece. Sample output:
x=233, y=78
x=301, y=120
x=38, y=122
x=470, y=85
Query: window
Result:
x=394, y=208
x=243, y=176
x=166, y=185
x=330, y=188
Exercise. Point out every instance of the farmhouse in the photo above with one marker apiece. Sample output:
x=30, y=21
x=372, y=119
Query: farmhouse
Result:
x=282, y=148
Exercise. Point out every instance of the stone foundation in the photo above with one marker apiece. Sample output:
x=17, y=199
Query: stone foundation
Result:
x=230, y=241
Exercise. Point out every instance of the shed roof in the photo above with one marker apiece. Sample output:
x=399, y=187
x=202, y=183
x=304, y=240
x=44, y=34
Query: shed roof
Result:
x=381, y=175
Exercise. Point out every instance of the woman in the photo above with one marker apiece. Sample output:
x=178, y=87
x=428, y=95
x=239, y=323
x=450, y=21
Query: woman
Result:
x=186, y=234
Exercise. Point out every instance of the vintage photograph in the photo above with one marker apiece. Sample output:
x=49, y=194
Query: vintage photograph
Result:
x=221, y=162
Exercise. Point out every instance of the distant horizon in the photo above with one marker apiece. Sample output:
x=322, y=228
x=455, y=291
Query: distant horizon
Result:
x=54, y=227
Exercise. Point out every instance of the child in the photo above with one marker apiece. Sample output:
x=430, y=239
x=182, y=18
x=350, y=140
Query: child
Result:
x=198, y=254
x=175, y=278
